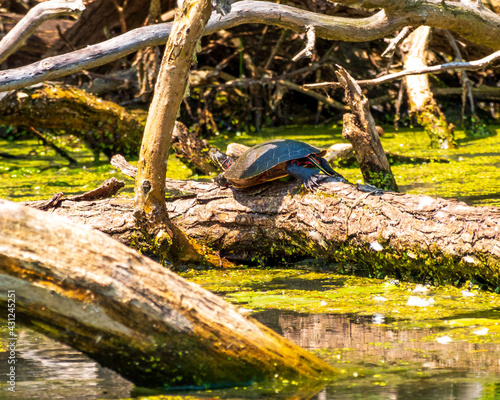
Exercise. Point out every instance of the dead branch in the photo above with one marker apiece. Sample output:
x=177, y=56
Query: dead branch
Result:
x=435, y=69
x=394, y=43
x=456, y=16
x=107, y=189
x=327, y=100
x=466, y=83
x=359, y=128
x=33, y=19
x=46, y=141
x=130, y=314
x=309, y=49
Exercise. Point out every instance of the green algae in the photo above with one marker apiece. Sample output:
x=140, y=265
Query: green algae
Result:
x=37, y=172
x=472, y=173
x=461, y=312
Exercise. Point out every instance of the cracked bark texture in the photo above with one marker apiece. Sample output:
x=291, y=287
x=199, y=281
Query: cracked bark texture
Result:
x=404, y=235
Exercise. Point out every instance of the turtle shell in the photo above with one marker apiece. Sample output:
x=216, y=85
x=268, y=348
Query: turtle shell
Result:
x=267, y=161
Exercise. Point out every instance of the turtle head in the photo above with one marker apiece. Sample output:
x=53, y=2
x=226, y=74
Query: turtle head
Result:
x=220, y=159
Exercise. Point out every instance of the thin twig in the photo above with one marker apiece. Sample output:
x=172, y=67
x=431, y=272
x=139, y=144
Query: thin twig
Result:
x=311, y=41
x=46, y=141
x=466, y=84
x=437, y=69
x=121, y=14
x=399, y=101
x=275, y=50
x=393, y=45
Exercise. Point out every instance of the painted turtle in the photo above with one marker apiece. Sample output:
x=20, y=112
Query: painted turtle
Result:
x=272, y=160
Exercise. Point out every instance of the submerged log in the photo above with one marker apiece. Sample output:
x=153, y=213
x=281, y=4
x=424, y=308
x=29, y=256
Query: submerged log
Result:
x=132, y=315
x=408, y=236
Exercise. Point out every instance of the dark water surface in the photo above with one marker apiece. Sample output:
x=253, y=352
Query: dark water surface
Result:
x=374, y=363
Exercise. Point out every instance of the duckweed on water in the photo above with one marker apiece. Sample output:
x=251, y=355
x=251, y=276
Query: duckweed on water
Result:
x=460, y=312
x=400, y=317
x=471, y=175
x=36, y=172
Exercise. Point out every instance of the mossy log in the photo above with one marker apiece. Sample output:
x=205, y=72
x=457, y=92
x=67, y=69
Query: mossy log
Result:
x=403, y=235
x=105, y=126
x=130, y=314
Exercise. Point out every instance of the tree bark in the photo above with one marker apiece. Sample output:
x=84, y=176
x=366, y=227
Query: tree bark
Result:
x=170, y=89
x=81, y=287
x=409, y=236
x=360, y=129
x=422, y=104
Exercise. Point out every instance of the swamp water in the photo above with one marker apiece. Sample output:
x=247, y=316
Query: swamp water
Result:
x=388, y=339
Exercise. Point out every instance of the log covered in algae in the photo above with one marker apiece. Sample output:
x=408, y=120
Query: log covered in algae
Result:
x=386, y=233
x=83, y=288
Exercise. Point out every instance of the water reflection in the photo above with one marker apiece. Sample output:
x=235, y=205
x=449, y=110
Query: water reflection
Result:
x=376, y=362
x=368, y=342
x=391, y=364
x=46, y=369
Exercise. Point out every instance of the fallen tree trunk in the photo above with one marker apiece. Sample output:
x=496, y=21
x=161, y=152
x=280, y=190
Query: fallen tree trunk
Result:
x=408, y=236
x=104, y=126
x=130, y=314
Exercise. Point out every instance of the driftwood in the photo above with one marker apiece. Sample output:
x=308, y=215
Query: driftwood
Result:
x=107, y=189
x=422, y=104
x=409, y=236
x=83, y=288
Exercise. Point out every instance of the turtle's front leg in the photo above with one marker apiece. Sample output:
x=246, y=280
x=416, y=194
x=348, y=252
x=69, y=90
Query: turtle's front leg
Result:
x=310, y=177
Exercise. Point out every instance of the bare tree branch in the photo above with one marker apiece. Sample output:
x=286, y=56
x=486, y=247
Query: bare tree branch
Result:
x=33, y=19
x=435, y=69
x=479, y=25
x=309, y=49
x=394, y=43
